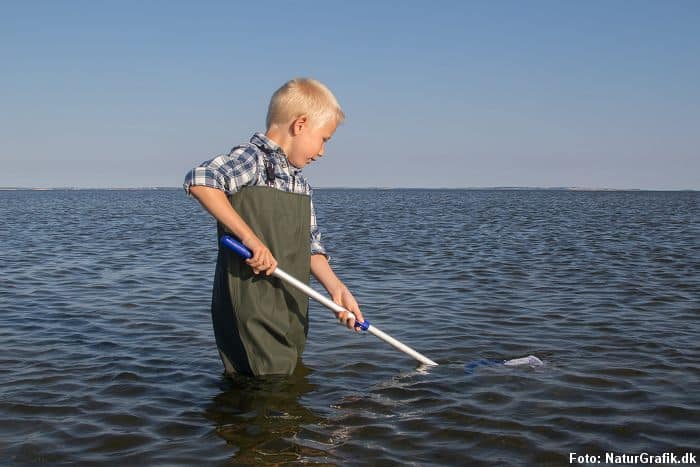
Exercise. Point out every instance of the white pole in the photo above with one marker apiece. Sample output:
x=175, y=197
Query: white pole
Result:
x=335, y=307
x=241, y=250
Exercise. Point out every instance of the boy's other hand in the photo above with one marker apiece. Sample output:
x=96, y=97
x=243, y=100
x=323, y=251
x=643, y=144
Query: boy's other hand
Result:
x=344, y=298
x=262, y=260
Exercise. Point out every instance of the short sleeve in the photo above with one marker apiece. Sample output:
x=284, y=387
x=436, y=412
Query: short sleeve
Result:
x=226, y=172
x=317, y=247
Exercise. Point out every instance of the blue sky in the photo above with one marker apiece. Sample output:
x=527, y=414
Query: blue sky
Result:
x=437, y=94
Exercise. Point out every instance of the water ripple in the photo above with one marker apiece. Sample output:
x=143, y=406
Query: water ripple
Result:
x=108, y=351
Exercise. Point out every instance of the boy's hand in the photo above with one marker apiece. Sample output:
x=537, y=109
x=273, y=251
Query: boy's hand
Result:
x=344, y=298
x=262, y=260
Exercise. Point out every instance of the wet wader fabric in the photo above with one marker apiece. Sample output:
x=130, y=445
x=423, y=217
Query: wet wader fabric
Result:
x=260, y=323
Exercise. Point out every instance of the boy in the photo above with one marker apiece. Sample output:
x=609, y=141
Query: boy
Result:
x=258, y=194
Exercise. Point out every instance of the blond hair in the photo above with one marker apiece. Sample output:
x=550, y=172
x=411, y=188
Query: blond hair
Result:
x=303, y=96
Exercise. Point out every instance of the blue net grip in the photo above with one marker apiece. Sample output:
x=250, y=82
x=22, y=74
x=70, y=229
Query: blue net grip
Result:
x=364, y=325
x=237, y=247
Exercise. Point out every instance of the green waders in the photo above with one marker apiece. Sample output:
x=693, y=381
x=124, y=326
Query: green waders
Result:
x=260, y=323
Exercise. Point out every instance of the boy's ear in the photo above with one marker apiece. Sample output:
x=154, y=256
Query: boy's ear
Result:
x=299, y=124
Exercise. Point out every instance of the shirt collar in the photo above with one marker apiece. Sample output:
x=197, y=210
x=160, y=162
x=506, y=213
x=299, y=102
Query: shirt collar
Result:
x=265, y=143
x=274, y=150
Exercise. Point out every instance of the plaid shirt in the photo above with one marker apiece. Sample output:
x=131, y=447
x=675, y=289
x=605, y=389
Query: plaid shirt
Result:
x=246, y=165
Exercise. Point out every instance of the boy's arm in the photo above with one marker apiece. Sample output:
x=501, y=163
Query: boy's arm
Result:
x=216, y=202
x=340, y=294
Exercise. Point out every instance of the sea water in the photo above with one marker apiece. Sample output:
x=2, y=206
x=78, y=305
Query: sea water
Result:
x=108, y=355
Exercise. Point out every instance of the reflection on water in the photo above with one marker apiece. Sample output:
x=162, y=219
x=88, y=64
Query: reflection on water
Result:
x=263, y=418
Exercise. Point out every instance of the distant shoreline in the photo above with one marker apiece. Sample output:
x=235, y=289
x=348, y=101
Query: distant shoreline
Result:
x=495, y=188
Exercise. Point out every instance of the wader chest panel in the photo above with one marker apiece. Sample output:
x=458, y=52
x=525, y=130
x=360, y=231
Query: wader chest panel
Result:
x=260, y=323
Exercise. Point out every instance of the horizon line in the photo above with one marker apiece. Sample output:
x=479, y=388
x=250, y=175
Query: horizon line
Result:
x=497, y=187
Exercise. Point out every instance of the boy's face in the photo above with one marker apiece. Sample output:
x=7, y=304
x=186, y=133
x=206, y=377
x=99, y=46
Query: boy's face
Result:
x=308, y=143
